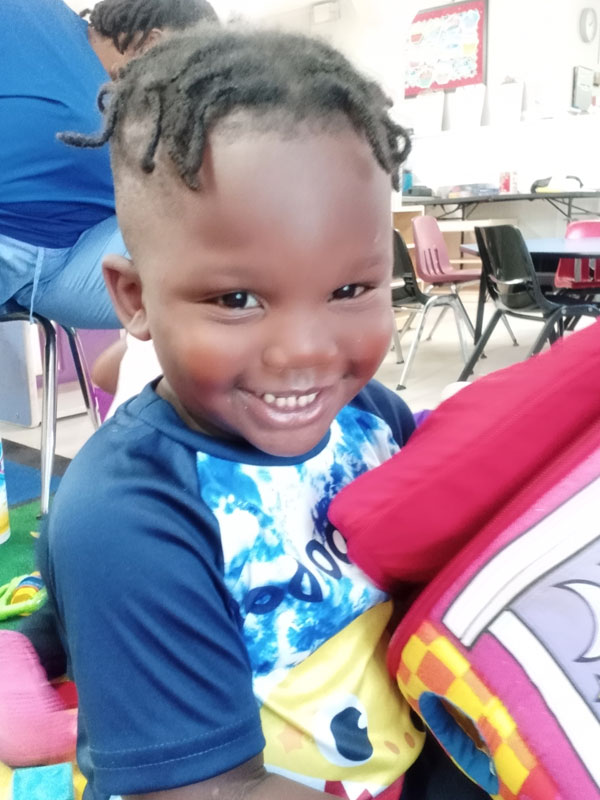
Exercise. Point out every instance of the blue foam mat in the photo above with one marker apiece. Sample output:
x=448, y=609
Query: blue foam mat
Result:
x=23, y=483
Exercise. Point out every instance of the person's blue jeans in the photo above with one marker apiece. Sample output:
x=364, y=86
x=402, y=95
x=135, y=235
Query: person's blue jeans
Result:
x=63, y=284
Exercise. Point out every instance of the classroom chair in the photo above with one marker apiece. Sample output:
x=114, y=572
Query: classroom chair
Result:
x=407, y=296
x=11, y=312
x=515, y=289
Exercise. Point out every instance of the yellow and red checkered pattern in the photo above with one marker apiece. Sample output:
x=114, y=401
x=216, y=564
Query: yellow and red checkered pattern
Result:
x=431, y=663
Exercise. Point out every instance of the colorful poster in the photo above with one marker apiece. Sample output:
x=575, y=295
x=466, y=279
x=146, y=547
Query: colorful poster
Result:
x=446, y=48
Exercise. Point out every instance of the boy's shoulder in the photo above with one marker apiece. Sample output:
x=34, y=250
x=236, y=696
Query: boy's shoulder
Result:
x=133, y=478
x=145, y=428
x=143, y=445
x=377, y=399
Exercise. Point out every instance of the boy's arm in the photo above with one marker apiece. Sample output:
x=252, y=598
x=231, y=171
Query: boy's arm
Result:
x=249, y=781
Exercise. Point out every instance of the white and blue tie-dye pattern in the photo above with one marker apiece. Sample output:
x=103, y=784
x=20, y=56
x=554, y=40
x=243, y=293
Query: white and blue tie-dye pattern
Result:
x=284, y=564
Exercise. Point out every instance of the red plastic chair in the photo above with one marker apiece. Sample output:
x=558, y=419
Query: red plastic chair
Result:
x=435, y=268
x=579, y=273
x=433, y=263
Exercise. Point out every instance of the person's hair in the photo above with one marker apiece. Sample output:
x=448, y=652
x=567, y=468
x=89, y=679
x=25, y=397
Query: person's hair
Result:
x=123, y=20
x=181, y=88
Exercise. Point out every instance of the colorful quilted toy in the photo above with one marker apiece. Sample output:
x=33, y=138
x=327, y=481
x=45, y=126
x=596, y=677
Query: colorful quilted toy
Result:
x=495, y=501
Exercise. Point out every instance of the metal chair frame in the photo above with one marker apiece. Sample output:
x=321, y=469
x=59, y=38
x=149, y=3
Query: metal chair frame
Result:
x=434, y=267
x=12, y=312
x=407, y=296
x=507, y=265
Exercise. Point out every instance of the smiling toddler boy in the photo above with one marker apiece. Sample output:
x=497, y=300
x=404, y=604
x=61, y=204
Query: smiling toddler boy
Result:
x=221, y=641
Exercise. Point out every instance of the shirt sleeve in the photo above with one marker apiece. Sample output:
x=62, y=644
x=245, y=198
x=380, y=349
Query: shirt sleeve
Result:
x=381, y=401
x=133, y=566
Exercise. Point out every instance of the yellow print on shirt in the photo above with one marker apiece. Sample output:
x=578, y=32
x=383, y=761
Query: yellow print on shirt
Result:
x=338, y=716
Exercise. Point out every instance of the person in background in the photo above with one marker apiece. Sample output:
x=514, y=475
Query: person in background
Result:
x=57, y=221
x=220, y=639
x=57, y=211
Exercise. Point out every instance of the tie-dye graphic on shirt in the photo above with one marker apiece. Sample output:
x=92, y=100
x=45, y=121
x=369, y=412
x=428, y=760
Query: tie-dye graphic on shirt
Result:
x=314, y=626
x=285, y=565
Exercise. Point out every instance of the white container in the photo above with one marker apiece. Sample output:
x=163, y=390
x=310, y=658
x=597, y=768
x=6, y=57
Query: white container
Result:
x=4, y=525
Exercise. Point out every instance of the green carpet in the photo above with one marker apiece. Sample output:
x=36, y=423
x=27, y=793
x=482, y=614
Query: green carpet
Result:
x=17, y=555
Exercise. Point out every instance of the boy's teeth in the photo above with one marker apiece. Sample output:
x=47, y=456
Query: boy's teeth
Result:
x=292, y=401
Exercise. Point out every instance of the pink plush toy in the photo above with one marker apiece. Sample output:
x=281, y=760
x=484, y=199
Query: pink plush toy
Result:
x=36, y=725
x=496, y=498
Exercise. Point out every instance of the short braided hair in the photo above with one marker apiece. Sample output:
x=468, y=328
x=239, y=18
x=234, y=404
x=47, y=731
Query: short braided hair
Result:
x=181, y=88
x=122, y=20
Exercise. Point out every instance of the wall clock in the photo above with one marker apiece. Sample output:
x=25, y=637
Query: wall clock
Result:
x=588, y=24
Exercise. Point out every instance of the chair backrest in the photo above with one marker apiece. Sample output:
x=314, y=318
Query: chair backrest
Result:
x=510, y=276
x=583, y=228
x=578, y=273
x=403, y=269
x=432, y=259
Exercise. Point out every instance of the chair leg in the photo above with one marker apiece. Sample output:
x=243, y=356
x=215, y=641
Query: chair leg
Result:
x=408, y=323
x=83, y=376
x=436, y=323
x=413, y=349
x=472, y=330
x=545, y=333
x=396, y=340
x=460, y=315
x=510, y=330
x=483, y=340
x=48, y=434
x=481, y=298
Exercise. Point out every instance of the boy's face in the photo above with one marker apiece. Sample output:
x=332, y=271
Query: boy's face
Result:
x=267, y=292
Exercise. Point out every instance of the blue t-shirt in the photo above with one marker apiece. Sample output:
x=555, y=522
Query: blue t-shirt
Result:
x=49, y=80
x=209, y=606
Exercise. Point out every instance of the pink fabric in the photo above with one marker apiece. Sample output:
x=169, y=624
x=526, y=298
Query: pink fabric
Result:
x=404, y=520
x=35, y=726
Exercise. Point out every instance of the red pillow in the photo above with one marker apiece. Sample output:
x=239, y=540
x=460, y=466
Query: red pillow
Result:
x=405, y=519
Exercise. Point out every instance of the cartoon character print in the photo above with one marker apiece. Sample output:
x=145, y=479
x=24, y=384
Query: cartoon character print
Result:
x=339, y=717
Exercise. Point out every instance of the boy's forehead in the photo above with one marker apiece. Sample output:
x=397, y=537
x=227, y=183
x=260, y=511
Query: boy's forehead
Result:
x=287, y=172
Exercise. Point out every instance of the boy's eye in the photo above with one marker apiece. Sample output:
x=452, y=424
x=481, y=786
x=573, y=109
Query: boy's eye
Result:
x=234, y=300
x=349, y=291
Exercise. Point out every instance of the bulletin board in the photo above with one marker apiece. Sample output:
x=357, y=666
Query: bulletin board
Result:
x=447, y=47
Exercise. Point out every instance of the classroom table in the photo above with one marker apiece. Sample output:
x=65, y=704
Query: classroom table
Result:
x=569, y=204
x=545, y=247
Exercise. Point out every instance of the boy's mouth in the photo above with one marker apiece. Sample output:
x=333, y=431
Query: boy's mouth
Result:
x=289, y=402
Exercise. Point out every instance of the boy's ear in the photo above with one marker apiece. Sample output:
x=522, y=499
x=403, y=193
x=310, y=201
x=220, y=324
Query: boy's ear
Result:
x=125, y=289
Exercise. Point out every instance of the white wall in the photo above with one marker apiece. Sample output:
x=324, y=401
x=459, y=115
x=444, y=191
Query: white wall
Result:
x=533, y=42
x=79, y=5
x=538, y=41
x=370, y=32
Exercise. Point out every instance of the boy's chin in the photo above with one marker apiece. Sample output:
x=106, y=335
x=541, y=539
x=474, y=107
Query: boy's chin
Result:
x=288, y=446
x=292, y=442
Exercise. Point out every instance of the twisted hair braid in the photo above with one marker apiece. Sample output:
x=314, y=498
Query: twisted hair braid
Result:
x=122, y=20
x=182, y=87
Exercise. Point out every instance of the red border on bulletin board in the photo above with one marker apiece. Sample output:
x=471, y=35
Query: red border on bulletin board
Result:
x=446, y=47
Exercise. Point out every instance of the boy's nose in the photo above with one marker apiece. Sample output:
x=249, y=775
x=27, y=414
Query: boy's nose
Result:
x=299, y=344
